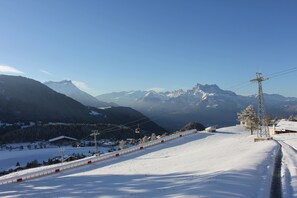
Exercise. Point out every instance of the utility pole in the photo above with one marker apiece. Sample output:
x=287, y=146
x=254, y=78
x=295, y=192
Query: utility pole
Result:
x=263, y=131
x=95, y=133
x=62, y=150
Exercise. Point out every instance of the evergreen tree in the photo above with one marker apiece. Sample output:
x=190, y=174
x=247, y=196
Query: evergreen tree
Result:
x=249, y=117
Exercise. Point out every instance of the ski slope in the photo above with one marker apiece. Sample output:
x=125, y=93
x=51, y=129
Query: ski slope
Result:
x=223, y=164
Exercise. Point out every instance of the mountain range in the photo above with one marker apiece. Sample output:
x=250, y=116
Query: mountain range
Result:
x=23, y=100
x=207, y=104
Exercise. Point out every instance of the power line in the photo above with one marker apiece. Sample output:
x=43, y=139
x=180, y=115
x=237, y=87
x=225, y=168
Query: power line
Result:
x=270, y=76
x=239, y=86
x=263, y=128
x=283, y=72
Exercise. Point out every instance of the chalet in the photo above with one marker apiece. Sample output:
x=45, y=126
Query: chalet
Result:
x=286, y=126
x=62, y=141
x=211, y=129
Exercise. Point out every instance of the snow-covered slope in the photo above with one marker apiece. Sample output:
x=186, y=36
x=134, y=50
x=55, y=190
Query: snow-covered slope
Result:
x=223, y=164
x=67, y=88
x=289, y=163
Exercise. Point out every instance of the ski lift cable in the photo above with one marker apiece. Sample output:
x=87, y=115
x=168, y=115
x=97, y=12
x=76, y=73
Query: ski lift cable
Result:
x=145, y=120
x=270, y=76
x=140, y=121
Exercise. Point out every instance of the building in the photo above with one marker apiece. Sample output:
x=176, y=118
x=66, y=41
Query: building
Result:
x=62, y=141
x=286, y=126
x=211, y=129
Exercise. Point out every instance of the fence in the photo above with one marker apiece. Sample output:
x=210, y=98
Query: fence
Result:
x=89, y=160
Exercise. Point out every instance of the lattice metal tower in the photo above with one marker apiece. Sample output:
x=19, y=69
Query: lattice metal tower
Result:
x=263, y=131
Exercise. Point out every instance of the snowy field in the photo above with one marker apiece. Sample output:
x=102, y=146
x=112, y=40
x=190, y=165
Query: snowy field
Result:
x=223, y=164
x=289, y=163
x=8, y=159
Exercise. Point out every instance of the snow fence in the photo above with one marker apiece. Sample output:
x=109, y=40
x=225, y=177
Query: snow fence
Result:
x=56, y=168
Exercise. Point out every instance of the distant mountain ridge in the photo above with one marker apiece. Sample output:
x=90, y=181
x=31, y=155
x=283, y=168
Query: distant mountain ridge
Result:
x=69, y=89
x=23, y=100
x=207, y=104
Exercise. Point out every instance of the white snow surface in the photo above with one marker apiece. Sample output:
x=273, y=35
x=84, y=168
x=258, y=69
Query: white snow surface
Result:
x=223, y=164
x=9, y=159
x=289, y=163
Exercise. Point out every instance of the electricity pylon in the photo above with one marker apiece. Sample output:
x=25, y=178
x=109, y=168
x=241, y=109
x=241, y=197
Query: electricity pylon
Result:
x=263, y=131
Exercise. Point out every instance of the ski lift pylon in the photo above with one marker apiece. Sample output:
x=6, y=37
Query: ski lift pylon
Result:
x=137, y=130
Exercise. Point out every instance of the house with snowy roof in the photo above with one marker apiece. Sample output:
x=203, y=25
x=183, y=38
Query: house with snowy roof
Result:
x=62, y=141
x=211, y=129
x=286, y=126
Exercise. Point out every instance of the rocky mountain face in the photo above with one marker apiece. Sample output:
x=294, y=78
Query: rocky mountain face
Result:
x=207, y=104
x=67, y=88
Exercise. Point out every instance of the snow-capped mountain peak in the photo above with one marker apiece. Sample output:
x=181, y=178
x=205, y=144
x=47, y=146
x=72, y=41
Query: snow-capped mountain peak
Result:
x=67, y=88
x=208, y=103
x=175, y=94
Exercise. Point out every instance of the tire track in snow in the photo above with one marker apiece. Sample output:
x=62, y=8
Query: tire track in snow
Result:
x=276, y=184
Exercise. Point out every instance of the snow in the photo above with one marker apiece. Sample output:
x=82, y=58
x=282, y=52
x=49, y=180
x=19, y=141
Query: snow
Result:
x=284, y=125
x=223, y=164
x=212, y=106
x=289, y=163
x=175, y=94
x=10, y=158
x=94, y=113
x=62, y=137
x=104, y=108
x=31, y=124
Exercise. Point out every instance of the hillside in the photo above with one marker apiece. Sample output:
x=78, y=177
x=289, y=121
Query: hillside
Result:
x=223, y=164
x=24, y=99
x=27, y=106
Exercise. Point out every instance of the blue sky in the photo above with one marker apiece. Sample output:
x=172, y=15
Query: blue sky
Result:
x=117, y=45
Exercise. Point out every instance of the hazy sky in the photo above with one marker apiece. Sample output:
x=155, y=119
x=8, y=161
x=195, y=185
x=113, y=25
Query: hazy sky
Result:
x=117, y=45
